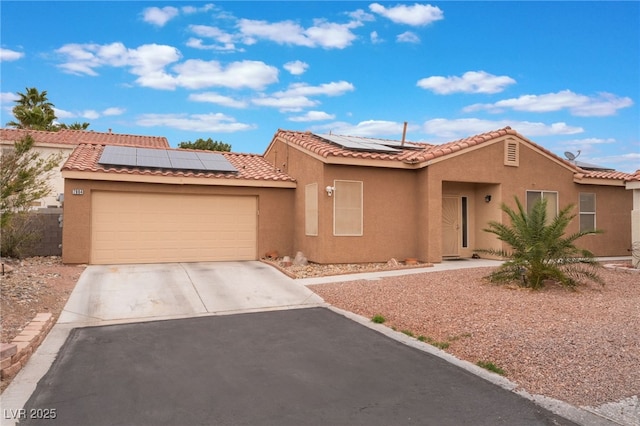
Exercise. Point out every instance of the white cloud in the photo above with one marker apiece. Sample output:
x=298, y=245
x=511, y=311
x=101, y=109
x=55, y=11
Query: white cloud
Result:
x=218, y=99
x=213, y=122
x=628, y=163
x=196, y=74
x=368, y=128
x=8, y=97
x=159, y=17
x=408, y=37
x=296, y=96
x=61, y=113
x=603, y=104
x=375, y=38
x=416, y=15
x=361, y=16
x=188, y=10
x=285, y=103
x=7, y=55
x=470, y=82
x=149, y=63
x=90, y=114
x=335, y=88
x=462, y=128
x=225, y=40
x=113, y=111
x=322, y=34
x=313, y=116
x=197, y=43
x=296, y=67
x=588, y=142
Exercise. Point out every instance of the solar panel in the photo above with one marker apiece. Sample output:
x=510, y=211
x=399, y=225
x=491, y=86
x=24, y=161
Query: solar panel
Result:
x=358, y=144
x=165, y=159
x=118, y=156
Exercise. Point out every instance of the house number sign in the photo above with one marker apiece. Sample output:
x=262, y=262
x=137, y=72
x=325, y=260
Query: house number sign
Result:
x=77, y=191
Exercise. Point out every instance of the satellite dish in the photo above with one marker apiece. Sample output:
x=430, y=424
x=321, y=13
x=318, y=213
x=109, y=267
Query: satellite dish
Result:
x=571, y=156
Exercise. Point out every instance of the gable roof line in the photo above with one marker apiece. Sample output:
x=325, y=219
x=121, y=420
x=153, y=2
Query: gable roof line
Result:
x=72, y=138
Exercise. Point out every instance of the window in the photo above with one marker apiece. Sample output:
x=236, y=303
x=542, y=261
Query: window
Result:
x=552, y=202
x=347, y=208
x=511, y=153
x=311, y=209
x=587, y=212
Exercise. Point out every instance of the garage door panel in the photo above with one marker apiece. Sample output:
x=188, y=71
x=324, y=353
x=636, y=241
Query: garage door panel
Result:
x=151, y=228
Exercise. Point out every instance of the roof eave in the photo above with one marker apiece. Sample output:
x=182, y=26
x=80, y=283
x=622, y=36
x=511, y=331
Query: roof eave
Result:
x=175, y=180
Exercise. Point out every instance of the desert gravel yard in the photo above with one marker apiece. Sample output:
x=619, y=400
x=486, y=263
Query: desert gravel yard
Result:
x=582, y=347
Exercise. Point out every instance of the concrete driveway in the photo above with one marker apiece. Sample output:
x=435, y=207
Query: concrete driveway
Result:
x=108, y=294
x=270, y=365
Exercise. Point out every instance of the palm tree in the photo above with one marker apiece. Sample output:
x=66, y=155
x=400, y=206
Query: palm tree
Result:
x=33, y=111
x=74, y=126
x=540, y=249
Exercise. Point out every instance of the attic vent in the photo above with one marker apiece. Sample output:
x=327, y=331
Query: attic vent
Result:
x=511, y=153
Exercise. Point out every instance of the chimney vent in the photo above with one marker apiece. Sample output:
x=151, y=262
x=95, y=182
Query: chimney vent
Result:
x=404, y=133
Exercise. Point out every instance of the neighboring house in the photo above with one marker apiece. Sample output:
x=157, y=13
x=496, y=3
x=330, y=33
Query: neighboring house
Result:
x=337, y=199
x=64, y=142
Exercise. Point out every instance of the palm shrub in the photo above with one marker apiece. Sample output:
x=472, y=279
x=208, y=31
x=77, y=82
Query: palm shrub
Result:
x=540, y=250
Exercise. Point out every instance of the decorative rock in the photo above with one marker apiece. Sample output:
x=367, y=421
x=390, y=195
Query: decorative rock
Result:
x=273, y=254
x=300, y=260
x=286, y=262
x=392, y=263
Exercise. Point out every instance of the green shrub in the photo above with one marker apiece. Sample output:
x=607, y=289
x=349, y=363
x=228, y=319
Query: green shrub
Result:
x=540, y=249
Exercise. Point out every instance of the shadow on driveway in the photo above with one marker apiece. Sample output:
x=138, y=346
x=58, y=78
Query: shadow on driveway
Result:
x=294, y=367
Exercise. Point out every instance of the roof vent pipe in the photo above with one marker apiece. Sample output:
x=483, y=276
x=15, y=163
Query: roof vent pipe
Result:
x=404, y=133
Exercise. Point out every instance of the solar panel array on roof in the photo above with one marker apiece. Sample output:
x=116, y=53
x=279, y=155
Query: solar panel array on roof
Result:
x=165, y=159
x=358, y=143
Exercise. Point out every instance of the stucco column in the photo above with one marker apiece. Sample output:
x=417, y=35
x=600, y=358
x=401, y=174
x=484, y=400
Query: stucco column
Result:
x=635, y=222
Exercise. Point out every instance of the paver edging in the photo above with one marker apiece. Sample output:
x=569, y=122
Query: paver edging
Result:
x=16, y=354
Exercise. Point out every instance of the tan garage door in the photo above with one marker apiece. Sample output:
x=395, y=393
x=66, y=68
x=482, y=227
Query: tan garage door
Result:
x=156, y=228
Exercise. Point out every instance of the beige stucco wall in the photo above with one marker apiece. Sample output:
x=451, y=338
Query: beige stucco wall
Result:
x=275, y=213
x=485, y=166
x=390, y=227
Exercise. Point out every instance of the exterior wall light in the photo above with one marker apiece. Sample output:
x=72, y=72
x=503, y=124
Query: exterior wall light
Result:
x=487, y=198
x=330, y=190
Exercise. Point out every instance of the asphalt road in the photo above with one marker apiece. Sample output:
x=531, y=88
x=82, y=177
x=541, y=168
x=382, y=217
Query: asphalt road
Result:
x=293, y=367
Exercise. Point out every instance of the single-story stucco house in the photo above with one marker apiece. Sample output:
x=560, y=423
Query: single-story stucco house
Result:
x=336, y=198
x=63, y=142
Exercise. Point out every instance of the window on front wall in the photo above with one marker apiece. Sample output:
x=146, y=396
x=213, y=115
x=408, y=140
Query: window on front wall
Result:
x=587, y=212
x=552, y=202
x=311, y=209
x=347, y=208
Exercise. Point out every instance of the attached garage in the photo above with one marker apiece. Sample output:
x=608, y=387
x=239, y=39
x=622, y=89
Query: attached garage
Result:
x=150, y=228
x=132, y=213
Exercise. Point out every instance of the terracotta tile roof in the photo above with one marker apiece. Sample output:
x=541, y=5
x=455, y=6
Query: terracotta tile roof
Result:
x=250, y=166
x=319, y=146
x=427, y=152
x=634, y=177
x=77, y=137
x=593, y=174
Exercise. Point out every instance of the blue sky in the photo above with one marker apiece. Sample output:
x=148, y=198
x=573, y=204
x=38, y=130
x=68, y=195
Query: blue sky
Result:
x=564, y=74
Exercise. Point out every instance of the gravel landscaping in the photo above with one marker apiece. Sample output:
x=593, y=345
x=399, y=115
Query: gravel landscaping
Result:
x=582, y=347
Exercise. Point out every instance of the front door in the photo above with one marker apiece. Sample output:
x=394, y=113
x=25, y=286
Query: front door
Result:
x=450, y=226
